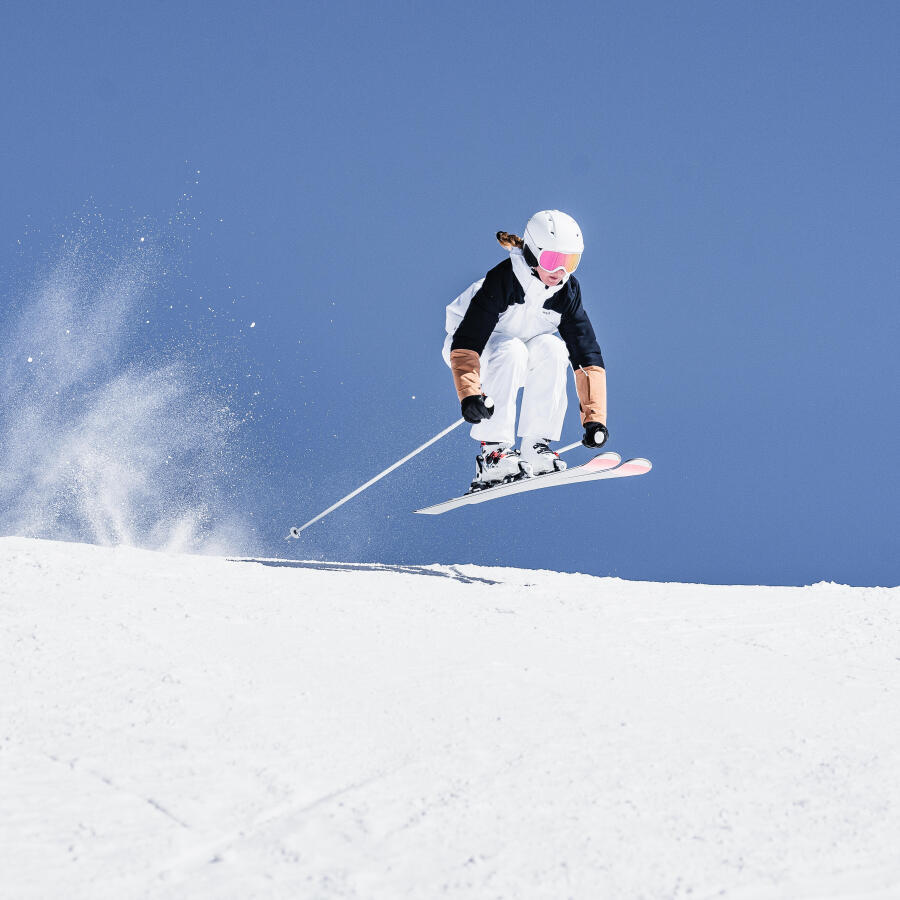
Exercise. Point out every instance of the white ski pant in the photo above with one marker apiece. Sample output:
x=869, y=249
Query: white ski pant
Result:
x=540, y=367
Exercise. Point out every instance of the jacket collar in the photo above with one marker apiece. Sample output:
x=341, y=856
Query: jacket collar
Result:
x=531, y=284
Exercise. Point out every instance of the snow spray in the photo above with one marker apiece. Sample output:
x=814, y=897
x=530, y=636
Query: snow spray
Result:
x=107, y=432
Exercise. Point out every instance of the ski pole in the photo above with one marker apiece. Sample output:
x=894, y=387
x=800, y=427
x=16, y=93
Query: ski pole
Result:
x=569, y=447
x=295, y=532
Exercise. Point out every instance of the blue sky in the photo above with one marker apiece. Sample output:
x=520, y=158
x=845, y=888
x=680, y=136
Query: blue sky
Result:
x=333, y=175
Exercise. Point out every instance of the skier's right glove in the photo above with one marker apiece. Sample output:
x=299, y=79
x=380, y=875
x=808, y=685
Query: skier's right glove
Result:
x=595, y=435
x=477, y=407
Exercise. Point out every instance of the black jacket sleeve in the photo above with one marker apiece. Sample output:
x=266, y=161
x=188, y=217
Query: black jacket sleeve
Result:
x=499, y=289
x=576, y=330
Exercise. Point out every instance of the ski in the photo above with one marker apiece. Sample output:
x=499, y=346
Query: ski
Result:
x=606, y=465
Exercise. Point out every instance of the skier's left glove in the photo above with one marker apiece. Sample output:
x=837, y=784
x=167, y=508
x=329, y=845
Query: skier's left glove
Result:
x=595, y=435
x=477, y=407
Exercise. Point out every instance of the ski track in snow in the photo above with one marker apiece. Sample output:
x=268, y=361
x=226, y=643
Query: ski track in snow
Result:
x=177, y=726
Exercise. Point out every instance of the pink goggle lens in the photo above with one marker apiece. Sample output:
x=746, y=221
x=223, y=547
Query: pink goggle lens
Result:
x=551, y=260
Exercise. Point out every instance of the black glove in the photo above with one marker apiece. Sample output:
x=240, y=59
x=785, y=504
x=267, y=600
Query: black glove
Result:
x=477, y=407
x=595, y=435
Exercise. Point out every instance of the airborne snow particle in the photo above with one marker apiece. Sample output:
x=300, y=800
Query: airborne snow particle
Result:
x=30, y=359
x=253, y=324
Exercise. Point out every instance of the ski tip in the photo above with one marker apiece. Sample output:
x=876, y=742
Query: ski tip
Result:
x=636, y=466
x=608, y=460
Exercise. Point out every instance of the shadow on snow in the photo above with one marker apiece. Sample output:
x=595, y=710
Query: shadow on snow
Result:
x=449, y=572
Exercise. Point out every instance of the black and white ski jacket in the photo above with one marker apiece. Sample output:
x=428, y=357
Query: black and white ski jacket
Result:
x=513, y=301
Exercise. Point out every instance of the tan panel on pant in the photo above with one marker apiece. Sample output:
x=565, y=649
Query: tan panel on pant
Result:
x=466, y=368
x=590, y=382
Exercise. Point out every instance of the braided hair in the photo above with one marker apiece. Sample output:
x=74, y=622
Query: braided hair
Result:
x=513, y=240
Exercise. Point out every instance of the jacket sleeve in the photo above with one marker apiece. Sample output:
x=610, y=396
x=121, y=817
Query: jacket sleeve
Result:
x=584, y=352
x=472, y=335
x=466, y=368
x=590, y=383
x=482, y=315
x=576, y=330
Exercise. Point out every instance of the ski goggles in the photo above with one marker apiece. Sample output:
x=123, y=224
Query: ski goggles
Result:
x=551, y=260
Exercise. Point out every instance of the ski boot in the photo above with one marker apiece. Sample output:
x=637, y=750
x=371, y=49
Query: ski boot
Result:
x=537, y=453
x=498, y=464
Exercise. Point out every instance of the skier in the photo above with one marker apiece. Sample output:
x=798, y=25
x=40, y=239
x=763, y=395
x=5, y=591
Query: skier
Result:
x=501, y=336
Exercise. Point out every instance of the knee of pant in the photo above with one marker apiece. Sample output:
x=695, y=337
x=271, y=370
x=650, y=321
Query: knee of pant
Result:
x=549, y=348
x=515, y=353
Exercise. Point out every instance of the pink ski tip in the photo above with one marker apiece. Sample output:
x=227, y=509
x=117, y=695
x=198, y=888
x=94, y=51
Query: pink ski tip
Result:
x=636, y=466
x=608, y=460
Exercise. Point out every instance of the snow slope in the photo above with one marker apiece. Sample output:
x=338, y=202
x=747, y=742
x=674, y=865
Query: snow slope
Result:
x=177, y=726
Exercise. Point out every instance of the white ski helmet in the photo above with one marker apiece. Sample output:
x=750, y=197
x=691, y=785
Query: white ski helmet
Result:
x=557, y=237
